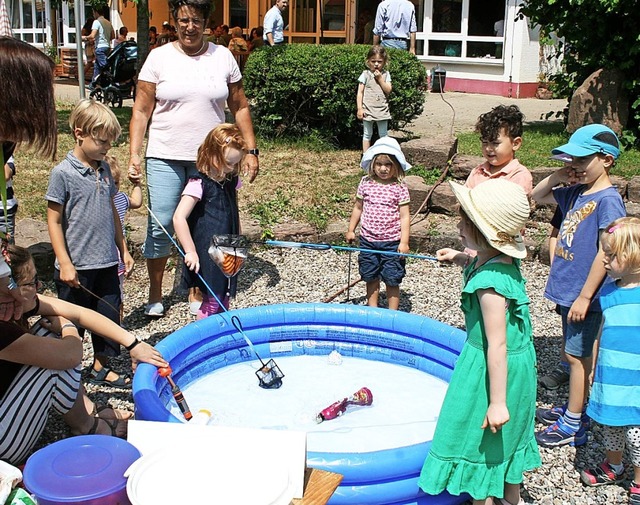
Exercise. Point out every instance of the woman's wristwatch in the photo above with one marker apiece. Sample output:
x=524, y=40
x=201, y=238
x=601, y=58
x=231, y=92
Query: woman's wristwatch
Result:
x=255, y=152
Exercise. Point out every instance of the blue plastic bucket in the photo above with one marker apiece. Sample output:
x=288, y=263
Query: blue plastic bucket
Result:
x=84, y=470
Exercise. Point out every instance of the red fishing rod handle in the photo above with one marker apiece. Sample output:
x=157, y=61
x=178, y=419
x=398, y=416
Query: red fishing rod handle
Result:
x=164, y=371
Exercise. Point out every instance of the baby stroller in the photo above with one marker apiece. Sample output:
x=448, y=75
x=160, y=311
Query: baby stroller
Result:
x=116, y=82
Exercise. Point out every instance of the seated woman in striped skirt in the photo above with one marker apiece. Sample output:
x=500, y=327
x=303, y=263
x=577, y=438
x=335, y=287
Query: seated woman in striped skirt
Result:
x=38, y=373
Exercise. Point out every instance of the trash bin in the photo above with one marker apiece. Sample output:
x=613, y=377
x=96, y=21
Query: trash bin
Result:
x=438, y=79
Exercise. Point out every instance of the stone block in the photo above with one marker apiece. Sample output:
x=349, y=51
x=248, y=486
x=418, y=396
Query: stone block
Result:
x=542, y=212
x=418, y=191
x=621, y=185
x=633, y=189
x=443, y=200
x=430, y=152
x=296, y=232
x=335, y=232
x=601, y=98
x=633, y=209
x=43, y=258
x=463, y=165
x=540, y=173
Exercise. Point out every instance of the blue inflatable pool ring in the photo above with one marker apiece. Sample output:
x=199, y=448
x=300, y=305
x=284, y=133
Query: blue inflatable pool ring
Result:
x=386, y=477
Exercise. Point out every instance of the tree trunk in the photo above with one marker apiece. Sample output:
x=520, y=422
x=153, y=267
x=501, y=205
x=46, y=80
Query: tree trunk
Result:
x=142, y=11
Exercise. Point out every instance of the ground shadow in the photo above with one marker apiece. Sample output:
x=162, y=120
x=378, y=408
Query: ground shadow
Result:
x=256, y=268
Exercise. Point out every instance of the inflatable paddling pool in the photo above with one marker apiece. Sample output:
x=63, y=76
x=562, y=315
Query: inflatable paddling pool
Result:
x=378, y=477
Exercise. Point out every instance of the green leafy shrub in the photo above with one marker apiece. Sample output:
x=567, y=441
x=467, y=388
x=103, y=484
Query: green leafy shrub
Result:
x=589, y=43
x=301, y=89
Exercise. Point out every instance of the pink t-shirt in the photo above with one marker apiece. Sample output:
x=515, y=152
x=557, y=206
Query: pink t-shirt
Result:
x=380, y=220
x=193, y=188
x=514, y=171
x=190, y=98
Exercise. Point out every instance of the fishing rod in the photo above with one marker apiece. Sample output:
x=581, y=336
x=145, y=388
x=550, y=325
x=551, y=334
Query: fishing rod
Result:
x=269, y=375
x=325, y=247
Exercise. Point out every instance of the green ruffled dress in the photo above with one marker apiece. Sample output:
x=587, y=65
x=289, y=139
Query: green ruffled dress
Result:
x=463, y=457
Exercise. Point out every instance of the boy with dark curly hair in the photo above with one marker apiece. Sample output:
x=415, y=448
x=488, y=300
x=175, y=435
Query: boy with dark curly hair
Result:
x=501, y=135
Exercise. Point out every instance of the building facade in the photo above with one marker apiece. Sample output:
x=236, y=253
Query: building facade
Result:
x=483, y=45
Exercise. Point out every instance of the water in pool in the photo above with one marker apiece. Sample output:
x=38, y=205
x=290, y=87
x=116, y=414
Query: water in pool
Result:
x=405, y=409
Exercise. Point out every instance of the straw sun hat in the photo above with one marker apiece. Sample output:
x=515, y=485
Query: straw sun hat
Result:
x=499, y=209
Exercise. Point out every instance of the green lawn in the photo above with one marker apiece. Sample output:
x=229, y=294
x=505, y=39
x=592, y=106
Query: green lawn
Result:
x=538, y=141
x=306, y=181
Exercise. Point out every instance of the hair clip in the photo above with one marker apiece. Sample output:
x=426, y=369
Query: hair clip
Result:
x=614, y=227
x=228, y=140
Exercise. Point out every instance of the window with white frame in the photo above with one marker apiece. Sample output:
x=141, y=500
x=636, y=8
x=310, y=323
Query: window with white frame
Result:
x=29, y=20
x=461, y=29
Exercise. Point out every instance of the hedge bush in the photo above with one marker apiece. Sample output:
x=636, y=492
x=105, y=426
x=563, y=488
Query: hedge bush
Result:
x=301, y=89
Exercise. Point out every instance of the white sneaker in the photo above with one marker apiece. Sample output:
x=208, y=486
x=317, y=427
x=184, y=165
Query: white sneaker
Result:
x=194, y=307
x=154, y=309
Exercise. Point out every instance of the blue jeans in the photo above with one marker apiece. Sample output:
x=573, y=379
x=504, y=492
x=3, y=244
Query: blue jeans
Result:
x=395, y=44
x=100, y=61
x=165, y=181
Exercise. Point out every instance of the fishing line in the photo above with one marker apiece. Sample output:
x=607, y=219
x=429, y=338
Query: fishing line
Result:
x=326, y=247
x=117, y=311
x=269, y=375
x=349, y=279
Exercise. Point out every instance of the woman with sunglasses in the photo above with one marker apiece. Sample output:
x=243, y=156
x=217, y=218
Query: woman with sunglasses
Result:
x=40, y=367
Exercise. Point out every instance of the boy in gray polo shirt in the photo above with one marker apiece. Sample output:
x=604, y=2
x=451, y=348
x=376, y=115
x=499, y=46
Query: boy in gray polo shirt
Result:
x=85, y=229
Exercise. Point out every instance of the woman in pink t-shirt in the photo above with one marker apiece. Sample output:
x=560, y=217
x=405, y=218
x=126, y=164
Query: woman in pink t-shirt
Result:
x=382, y=209
x=181, y=94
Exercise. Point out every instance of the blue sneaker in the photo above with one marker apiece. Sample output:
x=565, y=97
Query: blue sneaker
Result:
x=559, y=433
x=550, y=416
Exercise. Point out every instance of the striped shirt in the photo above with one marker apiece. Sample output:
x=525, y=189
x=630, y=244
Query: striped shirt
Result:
x=615, y=395
x=122, y=203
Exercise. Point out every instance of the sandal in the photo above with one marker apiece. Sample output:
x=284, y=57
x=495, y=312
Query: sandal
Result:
x=107, y=412
x=100, y=379
x=113, y=426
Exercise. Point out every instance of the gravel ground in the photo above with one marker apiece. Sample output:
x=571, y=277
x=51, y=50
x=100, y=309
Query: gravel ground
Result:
x=294, y=275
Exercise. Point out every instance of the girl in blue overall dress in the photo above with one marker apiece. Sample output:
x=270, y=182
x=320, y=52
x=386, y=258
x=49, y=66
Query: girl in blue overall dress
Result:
x=208, y=207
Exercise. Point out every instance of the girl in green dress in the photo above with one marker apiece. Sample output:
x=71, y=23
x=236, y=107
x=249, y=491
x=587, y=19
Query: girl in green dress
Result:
x=484, y=439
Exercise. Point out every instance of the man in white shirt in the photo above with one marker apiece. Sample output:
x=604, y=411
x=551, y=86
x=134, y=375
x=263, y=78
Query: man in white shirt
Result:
x=274, y=23
x=395, y=25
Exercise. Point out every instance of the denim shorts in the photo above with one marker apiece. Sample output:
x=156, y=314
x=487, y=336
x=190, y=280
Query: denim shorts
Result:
x=374, y=266
x=165, y=181
x=579, y=337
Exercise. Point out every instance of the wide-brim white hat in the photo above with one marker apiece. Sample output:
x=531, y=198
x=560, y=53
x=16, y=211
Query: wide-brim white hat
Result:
x=384, y=145
x=499, y=209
